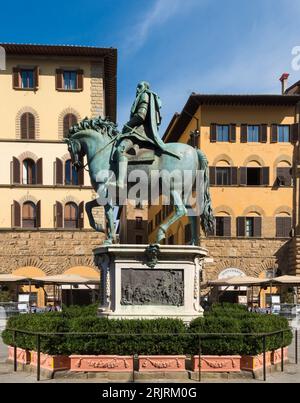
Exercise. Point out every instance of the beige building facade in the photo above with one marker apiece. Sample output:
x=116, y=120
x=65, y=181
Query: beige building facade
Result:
x=45, y=90
x=251, y=143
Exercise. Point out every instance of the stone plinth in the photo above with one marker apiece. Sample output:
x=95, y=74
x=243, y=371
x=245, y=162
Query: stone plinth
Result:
x=138, y=282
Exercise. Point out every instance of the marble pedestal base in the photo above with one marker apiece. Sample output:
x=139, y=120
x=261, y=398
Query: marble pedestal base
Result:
x=137, y=284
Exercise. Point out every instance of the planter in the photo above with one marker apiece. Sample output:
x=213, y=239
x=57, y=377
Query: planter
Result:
x=276, y=356
x=51, y=362
x=162, y=363
x=214, y=363
x=23, y=356
x=101, y=363
x=255, y=362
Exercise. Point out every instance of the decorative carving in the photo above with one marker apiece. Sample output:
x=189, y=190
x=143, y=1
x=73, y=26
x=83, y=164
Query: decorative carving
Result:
x=161, y=364
x=148, y=287
x=151, y=255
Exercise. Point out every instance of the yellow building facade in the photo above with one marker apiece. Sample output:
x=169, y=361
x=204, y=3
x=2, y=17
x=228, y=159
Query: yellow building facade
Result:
x=45, y=90
x=250, y=142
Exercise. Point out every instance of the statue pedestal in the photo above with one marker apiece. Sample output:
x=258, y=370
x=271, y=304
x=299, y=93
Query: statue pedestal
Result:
x=144, y=282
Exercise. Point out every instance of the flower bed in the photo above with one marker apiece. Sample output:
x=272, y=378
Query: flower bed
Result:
x=276, y=356
x=255, y=362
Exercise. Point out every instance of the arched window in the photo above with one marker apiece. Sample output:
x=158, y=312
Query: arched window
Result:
x=71, y=216
x=69, y=120
x=29, y=172
x=71, y=176
x=27, y=126
x=29, y=215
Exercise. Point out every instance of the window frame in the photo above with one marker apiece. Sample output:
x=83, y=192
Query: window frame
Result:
x=221, y=137
x=249, y=127
x=279, y=134
x=70, y=220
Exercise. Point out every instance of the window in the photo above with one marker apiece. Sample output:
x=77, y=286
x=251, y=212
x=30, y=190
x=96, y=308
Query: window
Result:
x=223, y=176
x=139, y=239
x=71, y=176
x=253, y=134
x=171, y=240
x=158, y=219
x=27, y=124
x=69, y=120
x=249, y=227
x=188, y=234
x=150, y=227
x=71, y=216
x=222, y=227
x=70, y=78
x=223, y=133
x=28, y=215
x=139, y=223
x=284, y=177
x=283, y=227
x=253, y=176
x=284, y=134
x=29, y=172
x=27, y=79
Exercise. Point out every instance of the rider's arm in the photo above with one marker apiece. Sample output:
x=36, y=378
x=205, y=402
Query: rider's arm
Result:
x=139, y=117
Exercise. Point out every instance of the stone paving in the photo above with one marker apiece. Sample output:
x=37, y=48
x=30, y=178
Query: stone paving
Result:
x=291, y=374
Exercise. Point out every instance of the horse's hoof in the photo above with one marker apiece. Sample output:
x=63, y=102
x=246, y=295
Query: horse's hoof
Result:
x=108, y=242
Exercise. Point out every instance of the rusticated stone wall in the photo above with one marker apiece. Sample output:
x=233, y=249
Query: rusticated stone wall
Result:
x=53, y=252
x=252, y=256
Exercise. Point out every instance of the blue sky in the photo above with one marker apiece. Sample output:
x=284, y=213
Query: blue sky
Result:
x=180, y=46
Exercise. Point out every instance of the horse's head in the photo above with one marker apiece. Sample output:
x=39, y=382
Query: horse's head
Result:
x=76, y=152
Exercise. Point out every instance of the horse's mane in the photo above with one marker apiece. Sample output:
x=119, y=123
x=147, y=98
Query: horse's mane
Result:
x=101, y=125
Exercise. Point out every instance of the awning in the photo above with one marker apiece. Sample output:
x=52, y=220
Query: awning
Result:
x=287, y=280
x=240, y=281
x=65, y=279
x=10, y=278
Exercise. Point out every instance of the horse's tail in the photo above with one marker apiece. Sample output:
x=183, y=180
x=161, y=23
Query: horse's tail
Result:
x=207, y=217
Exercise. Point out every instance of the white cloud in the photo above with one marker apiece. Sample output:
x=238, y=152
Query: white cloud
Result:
x=161, y=12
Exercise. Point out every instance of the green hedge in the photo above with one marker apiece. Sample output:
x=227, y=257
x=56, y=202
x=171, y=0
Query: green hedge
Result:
x=152, y=336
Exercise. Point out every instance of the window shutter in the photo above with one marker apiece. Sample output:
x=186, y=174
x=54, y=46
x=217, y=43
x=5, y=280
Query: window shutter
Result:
x=23, y=122
x=280, y=227
x=58, y=172
x=284, y=176
x=81, y=215
x=16, y=167
x=212, y=176
x=244, y=133
x=265, y=176
x=243, y=176
x=234, y=176
x=213, y=133
x=227, y=226
x=16, y=214
x=69, y=120
x=232, y=133
x=295, y=133
x=39, y=172
x=274, y=133
x=16, y=77
x=59, y=79
x=257, y=221
x=80, y=80
x=31, y=126
x=36, y=77
x=264, y=133
x=241, y=226
x=58, y=215
x=38, y=214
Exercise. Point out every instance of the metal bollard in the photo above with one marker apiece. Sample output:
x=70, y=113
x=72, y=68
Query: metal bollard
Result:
x=38, y=343
x=264, y=359
x=15, y=351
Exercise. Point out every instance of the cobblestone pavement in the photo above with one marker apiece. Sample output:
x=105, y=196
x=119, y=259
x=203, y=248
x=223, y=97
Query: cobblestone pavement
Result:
x=291, y=374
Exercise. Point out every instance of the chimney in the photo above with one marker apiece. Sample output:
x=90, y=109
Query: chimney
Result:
x=284, y=81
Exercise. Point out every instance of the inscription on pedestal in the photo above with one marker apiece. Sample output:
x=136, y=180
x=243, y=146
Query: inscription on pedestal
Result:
x=152, y=287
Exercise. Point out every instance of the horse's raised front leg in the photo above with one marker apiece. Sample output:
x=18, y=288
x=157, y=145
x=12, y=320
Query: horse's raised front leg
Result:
x=180, y=211
x=89, y=208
